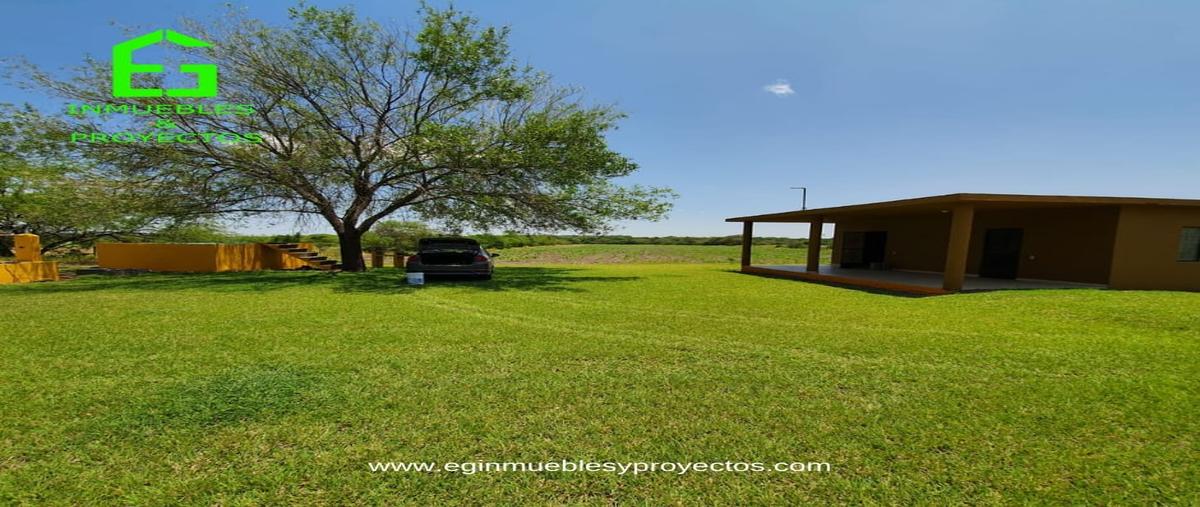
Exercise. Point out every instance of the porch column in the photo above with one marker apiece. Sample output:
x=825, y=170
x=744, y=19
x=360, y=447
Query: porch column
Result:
x=957, y=247
x=747, y=239
x=814, y=244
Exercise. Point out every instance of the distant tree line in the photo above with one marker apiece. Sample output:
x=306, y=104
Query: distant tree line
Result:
x=403, y=235
x=393, y=235
x=513, y=240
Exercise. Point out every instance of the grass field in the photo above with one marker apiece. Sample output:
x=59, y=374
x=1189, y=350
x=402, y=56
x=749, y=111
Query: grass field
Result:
x=652, y=254
x=281, y=387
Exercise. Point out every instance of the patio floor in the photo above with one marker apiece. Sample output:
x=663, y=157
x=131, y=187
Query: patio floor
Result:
x=907, y=281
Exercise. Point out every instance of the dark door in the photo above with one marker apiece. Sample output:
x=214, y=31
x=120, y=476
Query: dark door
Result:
x=1001, y=253
x=874, y=247
x=860, y=249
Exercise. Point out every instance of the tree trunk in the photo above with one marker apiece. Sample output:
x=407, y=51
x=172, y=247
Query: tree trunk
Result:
x=352, y=252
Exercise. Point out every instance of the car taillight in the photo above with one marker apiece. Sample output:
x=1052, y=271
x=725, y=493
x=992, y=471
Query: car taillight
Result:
x=480, y=258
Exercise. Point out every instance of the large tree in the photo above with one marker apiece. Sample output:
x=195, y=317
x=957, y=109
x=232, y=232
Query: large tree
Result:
x=359, y=121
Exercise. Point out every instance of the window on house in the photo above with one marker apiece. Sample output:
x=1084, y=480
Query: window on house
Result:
x=1189, y=244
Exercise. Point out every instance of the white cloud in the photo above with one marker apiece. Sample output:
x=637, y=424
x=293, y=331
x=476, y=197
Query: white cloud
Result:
x=780, y=88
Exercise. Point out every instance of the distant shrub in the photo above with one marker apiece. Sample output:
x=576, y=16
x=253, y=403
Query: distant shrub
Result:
x=191, y=233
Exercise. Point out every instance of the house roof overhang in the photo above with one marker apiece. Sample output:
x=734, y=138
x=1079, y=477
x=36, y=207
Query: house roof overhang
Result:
x=944, y=203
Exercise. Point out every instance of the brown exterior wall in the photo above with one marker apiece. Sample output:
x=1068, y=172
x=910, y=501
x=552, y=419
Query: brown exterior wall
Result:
x=914, y=242
x=1068, y=244
x=1072, y=244
x=1147, y=248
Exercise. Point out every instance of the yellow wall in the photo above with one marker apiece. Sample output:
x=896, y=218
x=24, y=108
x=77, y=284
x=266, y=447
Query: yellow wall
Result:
x=255, y=257
x=1146, y=250
x=198, y=257
x=27, y=247
x=24, y=272
x=194, y=257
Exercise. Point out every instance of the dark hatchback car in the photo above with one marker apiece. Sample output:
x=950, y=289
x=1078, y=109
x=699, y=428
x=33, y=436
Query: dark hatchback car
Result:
x=451, y=256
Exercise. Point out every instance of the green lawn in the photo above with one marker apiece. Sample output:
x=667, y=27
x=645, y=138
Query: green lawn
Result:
x=281, y=387
x=652, y=254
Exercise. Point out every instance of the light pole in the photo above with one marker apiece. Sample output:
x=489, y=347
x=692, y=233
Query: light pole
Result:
x=803, y=197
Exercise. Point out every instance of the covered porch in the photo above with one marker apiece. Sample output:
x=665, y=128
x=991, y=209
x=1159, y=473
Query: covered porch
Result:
x=951, y=243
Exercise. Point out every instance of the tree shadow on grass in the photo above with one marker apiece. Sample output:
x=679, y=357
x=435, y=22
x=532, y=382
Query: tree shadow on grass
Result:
x=377, y=281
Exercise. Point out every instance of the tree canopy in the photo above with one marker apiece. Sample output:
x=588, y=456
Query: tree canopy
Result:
x=358, y=121
x=46, y=188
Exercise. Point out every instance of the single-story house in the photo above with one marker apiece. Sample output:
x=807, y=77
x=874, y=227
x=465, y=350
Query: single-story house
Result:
x=947, y=243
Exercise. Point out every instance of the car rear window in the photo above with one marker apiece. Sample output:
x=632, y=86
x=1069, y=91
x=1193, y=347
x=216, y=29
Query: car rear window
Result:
x=449, y=245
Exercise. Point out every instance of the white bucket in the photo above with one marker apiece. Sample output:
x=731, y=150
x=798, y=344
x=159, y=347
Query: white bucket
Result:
x=416, y=278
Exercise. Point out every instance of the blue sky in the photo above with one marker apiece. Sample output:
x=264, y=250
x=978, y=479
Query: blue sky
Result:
x=883, y=99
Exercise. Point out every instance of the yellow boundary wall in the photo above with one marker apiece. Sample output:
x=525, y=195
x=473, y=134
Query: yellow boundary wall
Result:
x=25, y=272
x=195, y=257
x=29, y=266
